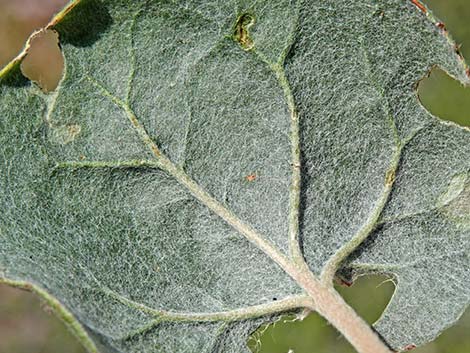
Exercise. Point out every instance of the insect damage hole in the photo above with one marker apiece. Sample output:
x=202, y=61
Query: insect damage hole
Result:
x=44, y=63
x=241, y=33
x=445, y=97
x=369, y=296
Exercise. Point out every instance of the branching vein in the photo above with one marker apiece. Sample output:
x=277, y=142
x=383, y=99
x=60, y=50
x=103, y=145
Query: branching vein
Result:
x=196, y=190
x=295, y=187
x=133, y=60
x=108, y=164
x=334, y=262
x=283, y=305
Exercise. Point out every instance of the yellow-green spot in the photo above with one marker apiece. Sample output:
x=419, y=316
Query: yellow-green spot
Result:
x=241, y=33
x=65, y=134
x=455, y=188
x=455, y=202
x=390, y=177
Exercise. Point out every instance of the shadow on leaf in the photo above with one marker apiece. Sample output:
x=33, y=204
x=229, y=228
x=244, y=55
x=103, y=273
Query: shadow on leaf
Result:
x=85, y=23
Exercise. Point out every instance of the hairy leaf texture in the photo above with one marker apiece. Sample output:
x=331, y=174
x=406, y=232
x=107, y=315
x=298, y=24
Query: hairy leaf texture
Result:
x=143, y=191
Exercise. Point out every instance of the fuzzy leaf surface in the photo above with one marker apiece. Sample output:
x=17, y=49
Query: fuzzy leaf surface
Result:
x=90, y=213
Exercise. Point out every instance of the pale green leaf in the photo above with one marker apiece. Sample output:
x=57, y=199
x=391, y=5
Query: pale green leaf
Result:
x=131, y=192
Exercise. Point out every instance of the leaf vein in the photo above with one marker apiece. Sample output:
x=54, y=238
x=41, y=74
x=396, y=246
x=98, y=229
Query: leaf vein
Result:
x=197, y=191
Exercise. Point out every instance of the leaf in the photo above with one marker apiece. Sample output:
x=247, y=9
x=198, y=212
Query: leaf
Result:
x=162, y=191
x=431, y=255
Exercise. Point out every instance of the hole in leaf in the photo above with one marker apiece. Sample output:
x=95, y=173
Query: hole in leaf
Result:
x=445, y=97
x=368, y=296
x=44, y=63
x=440, y=94
x=18, y=19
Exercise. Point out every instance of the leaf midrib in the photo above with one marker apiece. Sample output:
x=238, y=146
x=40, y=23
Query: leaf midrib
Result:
x=164, y=163
x=295, y=266
x=297, y=263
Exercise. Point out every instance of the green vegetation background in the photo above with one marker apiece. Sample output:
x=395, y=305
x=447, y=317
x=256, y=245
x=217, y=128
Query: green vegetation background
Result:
x=27, y=327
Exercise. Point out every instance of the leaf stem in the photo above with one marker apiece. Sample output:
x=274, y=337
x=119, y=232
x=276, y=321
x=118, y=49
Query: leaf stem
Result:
x=322, y=297
x=330, y=305
x=328, y=302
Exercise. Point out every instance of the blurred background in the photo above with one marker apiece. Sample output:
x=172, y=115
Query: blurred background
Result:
x=26, y=325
